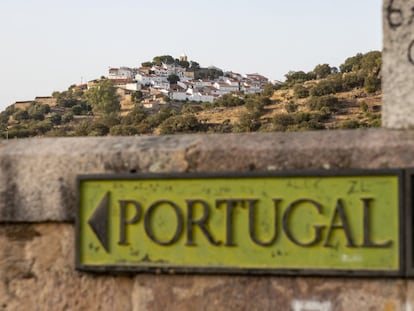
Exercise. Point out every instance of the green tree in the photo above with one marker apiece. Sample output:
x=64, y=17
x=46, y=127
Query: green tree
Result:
x=371, y=62
x=69, y=98
x=137, y=97
x=352, y=80
x=37, y=111
x=135, y=116
x=372, y=83
x=166, y=59
x=55, y=118
x=352, y=63
x=103, y=97
x=293, y=77
x=77, y=110
x=328, y=86
x=147, y=64
x=268, y=90
x=194, y=65
x=173, y=78
x=67, y=117
x=183, y=63
x=322, y=71
x=21, y=115
x=248, y=122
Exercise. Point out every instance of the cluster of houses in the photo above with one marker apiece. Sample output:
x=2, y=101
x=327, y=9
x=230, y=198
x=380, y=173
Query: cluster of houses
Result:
x=156, y=83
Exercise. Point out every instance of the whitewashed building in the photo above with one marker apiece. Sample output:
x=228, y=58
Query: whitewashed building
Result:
x=121, y=73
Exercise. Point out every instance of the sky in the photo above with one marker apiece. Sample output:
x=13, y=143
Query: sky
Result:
x=48, y=45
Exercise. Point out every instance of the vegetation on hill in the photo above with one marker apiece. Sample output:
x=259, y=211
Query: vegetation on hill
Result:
x=324, y=98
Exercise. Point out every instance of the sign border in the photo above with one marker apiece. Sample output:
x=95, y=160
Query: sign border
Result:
x=404, y=180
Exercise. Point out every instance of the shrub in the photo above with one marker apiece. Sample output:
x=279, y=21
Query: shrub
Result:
x=282, y=121
x=372, y=84
x=364, y=106
x=180, y=124
x=327, y=103
x=67, y=117
x=352, y=80
x=328, y=86
x=123, y=130
x=229, y=100
x=248, y=122
x=350, y=124
x=300, y=91
x=291, y=107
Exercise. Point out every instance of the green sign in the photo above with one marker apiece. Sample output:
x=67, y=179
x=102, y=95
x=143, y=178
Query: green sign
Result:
x=274, y=224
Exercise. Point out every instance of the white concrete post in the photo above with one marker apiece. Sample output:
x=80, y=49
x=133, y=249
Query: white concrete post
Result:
x=398, y=64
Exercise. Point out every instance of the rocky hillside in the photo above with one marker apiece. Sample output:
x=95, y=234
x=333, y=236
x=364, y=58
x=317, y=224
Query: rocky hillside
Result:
x=325, y=98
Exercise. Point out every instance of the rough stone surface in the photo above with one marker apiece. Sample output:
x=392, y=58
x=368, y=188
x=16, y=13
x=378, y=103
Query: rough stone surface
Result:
x=398, y=64
x=37, y=273
x=38, y=176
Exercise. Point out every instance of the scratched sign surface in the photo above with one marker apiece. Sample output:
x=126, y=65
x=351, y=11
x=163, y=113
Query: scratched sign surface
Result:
x=240, y=224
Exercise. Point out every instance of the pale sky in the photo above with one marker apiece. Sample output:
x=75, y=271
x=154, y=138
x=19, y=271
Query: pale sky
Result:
x=48, y=45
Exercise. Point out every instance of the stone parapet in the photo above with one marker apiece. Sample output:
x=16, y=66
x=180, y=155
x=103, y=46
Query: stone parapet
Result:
x=38, y=176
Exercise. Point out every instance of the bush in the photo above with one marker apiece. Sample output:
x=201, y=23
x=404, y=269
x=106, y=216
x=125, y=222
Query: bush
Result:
x=190, y=108
x=180, y=124
x=98, y=129
x=229, y=100
x=255, y=105
x=350, y=124
x=225, y=127
x=364, y=106
x=21, y=115
x=372, y=84
x=20, y=133
x=42, y=127
x=352, y=80
x=282, y=121
x=300, y=91
x=329, y=86
x=291, y=107
x=123, y=130
x=248, y=122
x=294, y=77
x=55, y=118
x=326, y=103
x=67, y=117
x=135, y=116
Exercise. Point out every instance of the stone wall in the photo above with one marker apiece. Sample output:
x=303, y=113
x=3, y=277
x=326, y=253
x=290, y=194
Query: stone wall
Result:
x=38, y=198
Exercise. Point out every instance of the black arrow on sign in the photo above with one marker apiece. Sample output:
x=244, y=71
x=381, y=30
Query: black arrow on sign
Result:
x=99, y=222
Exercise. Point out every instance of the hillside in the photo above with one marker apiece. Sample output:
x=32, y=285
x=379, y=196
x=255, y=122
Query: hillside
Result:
x=325, y=98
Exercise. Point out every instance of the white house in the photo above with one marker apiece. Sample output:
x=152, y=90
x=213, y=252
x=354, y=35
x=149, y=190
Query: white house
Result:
x=200, y=97
x=121, y=73
x=224, y=88
x=250, y=88
x=177, y=95
x=143, y=79
x=133, y=86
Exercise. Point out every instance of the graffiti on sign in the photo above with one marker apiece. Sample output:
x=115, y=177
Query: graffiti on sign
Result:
x=398, y=17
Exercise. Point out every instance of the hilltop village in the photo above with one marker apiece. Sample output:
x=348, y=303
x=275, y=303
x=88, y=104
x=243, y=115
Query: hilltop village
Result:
x=174, y=95
x=180, y=80
x=166, y=79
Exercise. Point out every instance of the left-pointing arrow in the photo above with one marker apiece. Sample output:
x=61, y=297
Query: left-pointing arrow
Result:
x=99, y=222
